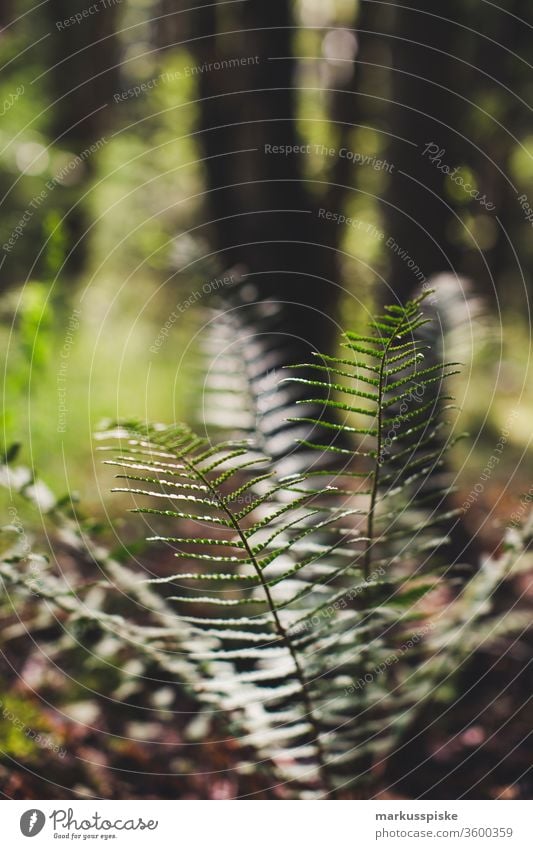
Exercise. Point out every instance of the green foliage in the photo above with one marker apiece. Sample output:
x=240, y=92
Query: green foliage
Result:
x=300, y=611
x=394, y=388
x=250, y=598
x=18, y=723
x=293, y=598
x=28, y=351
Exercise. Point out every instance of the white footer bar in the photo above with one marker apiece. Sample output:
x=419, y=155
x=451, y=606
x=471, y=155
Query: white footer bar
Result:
x=260, y=825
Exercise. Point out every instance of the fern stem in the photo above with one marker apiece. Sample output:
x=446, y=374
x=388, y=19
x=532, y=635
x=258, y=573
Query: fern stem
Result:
x=282, y=632
x=376, y=477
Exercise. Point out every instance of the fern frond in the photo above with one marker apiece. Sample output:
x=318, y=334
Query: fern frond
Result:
x=400, y=451
x=249, y=555
x=302, y=590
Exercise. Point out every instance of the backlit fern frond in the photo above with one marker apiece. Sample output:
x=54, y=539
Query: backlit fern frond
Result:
x=246, y=585
x=295, y=601
x=392, y=403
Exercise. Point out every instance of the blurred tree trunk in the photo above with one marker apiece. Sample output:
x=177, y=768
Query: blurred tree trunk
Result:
x=264, y=216
x=83, y=60
x=425, y=110
x=6, y=13
x=501, y=55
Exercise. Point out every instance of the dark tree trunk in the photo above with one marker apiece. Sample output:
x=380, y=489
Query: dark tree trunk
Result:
x=83, y=60
x=6, y=13
x=426, y=110
x=264, y=218
x=501, y=59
